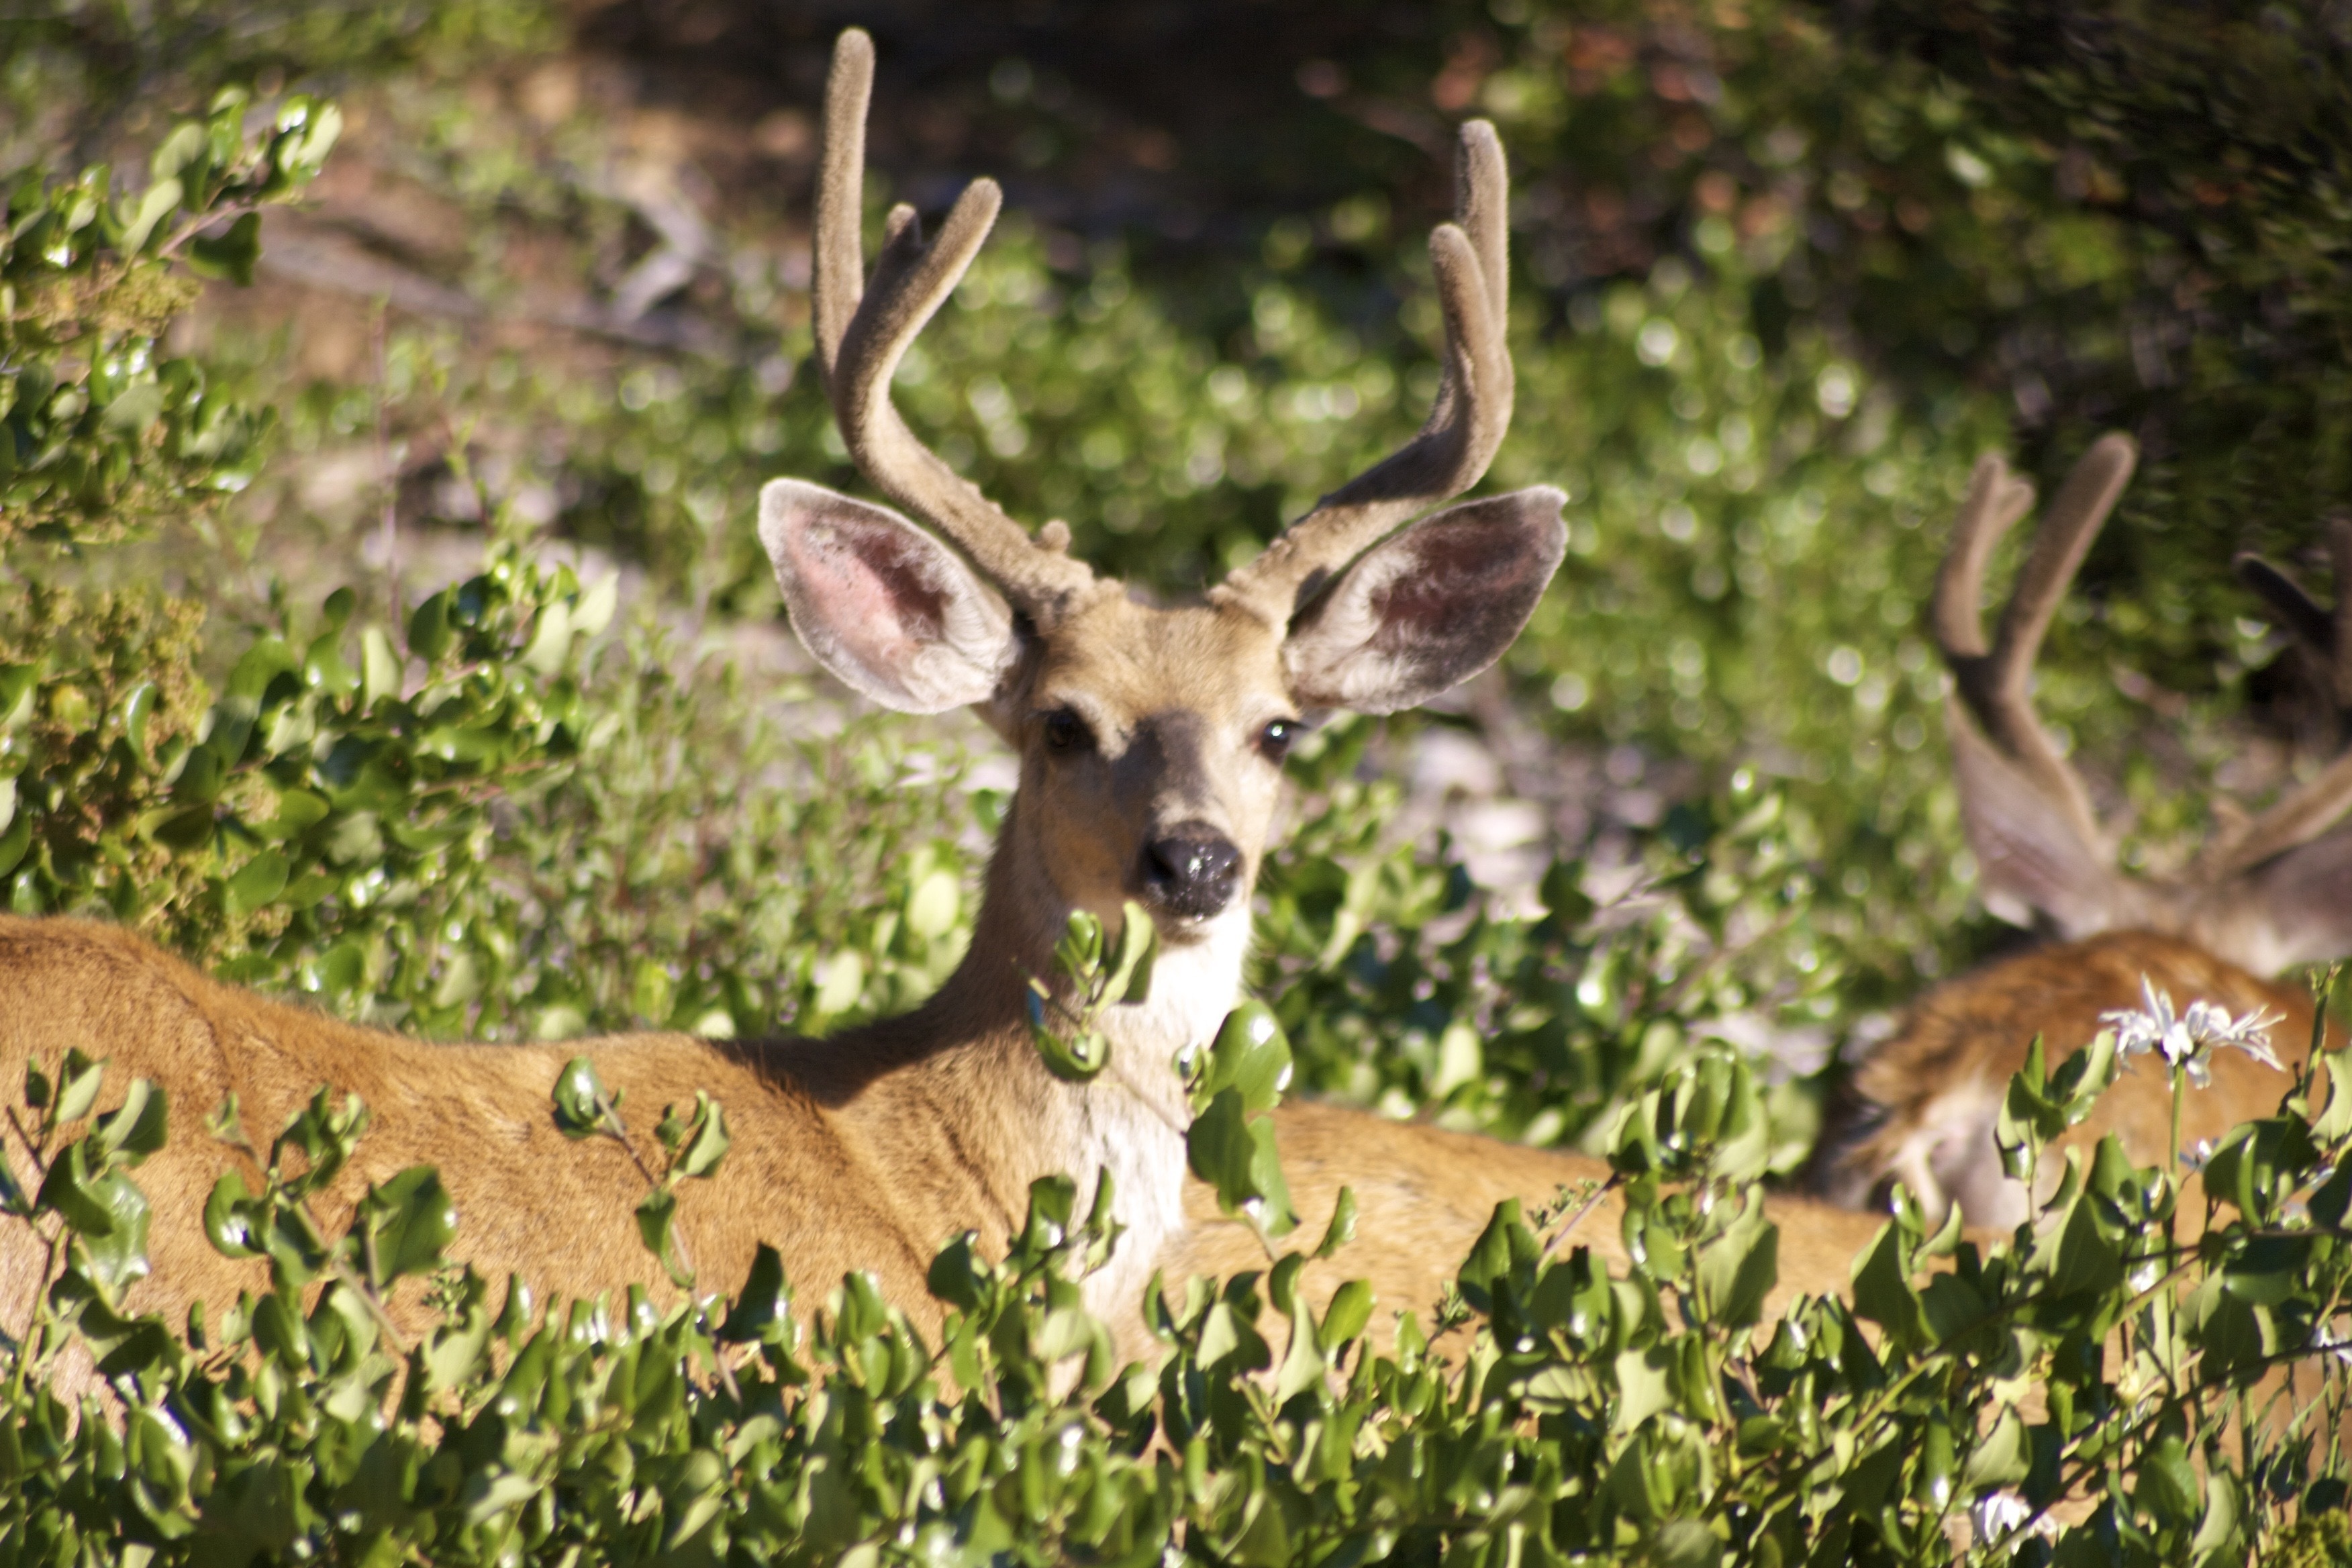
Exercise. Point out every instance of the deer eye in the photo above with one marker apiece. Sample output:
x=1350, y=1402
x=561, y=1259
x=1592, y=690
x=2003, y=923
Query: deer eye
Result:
x=1273, y=741
x=1066, y=731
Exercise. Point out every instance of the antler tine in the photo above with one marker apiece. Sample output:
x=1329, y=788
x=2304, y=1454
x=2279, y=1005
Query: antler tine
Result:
x=862, y=333
x=1470, y=257
x=1996, y=684
x=2327, y=634
x=2308, y=810
x=1991, y=509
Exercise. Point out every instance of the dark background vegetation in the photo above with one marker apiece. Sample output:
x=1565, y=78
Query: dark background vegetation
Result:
x=381, y=623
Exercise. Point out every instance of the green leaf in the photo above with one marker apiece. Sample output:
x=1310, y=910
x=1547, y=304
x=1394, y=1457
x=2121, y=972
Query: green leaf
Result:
x=429, y=633
x=138, y=407
x=455, y=1347
x=323, y=665
x=1739, y=1268
x=117, y=1254
x=257, y=883
x=933, y=904
x=230, y=256
x=411, y=1221
x=1139, y=946
x=579, y=1100
x=2002, y=1456
x=655, y=1216
x=1219, y=1148
x=1070, y=1051
x=138, y=708
x=1302, y=1365
x=1251, y=1056
x=1644, y=1388
x=82, y=1077
x=136, y=1128
x=1343, y=1228
x=710, y=1142
x=379, y=671
x=1350, y=1311
x=70, y=1192
x=227, y=1224
x=1883, y=1291
x=763, y=1308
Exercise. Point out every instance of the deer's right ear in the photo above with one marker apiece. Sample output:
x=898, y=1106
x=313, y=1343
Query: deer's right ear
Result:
x=883, y=604
x=1429, y=608
x=2030, y=859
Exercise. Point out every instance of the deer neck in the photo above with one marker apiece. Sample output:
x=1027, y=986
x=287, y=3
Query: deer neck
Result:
x=1130, y=1120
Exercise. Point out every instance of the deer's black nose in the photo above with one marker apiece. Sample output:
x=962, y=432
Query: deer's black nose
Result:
x=1191, y=872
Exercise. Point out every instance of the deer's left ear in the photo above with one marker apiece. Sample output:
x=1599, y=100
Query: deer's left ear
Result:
x=1429, y=608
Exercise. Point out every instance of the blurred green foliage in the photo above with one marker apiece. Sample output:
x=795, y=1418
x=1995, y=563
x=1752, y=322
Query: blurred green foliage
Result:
x=1783, y=270
x=98, y=435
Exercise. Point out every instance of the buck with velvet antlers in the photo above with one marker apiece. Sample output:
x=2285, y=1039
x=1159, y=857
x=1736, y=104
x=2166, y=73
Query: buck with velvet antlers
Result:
x=1150, y=743
x=2269, y=891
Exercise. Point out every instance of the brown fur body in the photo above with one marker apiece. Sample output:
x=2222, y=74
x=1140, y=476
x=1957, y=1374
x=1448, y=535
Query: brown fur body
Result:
x=1924, y=1102
x=1423, y=1194
x=861, y=1153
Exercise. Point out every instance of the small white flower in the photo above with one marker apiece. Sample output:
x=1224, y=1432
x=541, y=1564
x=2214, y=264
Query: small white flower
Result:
x=2187, y=1040
x=2195, y=1158
x=1996, y=1513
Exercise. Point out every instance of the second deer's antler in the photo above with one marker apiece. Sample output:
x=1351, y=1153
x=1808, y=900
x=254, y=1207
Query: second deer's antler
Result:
x=1995, y=685
x=862, y=330
x=1466, y=422
x=2311, y=808
x=2027, y=813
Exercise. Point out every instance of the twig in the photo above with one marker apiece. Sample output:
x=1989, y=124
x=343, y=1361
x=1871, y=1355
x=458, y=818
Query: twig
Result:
x=201, y=221
x=1599, y=1193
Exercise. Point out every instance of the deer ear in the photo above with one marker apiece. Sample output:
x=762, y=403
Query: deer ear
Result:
x=882, y=604
x=2304, y=899
x=1429, y=608
x=2029, y=859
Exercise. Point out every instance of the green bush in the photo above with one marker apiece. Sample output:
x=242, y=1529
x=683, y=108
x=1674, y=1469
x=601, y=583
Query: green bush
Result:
x=1569, y=1416
x=1762, y=386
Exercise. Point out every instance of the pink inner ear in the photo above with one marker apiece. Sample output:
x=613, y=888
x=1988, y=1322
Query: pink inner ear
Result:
x=869, y=587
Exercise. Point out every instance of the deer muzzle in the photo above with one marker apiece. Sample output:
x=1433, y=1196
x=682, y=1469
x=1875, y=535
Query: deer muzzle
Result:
x=1190, y=873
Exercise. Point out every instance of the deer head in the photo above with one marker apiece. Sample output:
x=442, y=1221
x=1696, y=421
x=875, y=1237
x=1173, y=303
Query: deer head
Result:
x=1151, y=740
x=2268, y=890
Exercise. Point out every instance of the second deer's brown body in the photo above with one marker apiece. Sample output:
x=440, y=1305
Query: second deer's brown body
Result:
x=2271, y=890
x=1930, y=1094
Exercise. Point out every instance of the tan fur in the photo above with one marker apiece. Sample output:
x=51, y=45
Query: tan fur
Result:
x=1147, y=772
x=1932, y=1090
x=869, y=1149
x=1423, y=1196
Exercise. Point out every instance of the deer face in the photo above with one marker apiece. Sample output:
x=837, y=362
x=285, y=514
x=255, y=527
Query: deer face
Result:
x=1152, y=744
x=1151, y=739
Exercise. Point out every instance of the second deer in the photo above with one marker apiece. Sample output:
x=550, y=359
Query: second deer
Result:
x=2269, y=892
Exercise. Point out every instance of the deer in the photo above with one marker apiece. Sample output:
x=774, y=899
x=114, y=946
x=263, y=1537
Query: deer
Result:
x=2269, y=892
x=1150, y=743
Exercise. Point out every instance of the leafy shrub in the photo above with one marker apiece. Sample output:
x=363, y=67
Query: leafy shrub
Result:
x=1575, y=1416
x=97, y=434
x=392, y=816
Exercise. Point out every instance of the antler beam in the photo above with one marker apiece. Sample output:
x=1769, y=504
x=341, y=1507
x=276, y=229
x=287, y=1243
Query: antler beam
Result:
x=2308, y=810
x=1996, y=684
x=1466, y=424
x=862, y=330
